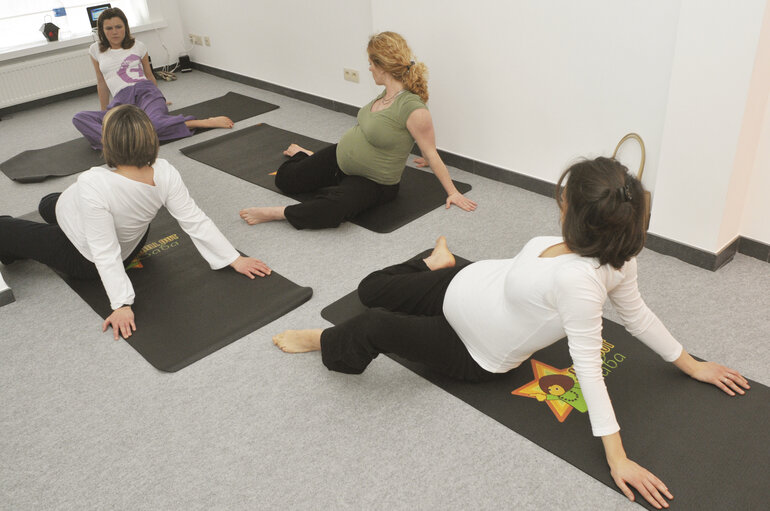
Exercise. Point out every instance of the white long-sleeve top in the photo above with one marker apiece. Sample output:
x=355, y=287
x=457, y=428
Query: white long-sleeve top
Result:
x=105, y=216
x=505, y=310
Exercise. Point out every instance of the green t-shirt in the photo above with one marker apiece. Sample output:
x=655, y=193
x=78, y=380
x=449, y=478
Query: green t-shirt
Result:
x=378, y=146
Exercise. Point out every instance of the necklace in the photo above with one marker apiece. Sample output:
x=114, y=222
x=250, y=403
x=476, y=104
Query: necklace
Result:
x=387, y=101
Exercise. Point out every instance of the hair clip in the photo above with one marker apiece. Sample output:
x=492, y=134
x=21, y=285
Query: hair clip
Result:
x=625, y=193
x=408, y=66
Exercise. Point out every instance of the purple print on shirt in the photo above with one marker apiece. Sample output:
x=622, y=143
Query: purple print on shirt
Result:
x=130, y=70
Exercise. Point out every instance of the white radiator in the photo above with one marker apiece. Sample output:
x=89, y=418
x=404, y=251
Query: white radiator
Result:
x=41, y=77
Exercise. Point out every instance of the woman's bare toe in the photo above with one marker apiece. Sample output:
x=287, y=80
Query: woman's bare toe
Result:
x=254, y=216
x=441, y=257
x=221, y=122
x=299, y=341
x=294, y=149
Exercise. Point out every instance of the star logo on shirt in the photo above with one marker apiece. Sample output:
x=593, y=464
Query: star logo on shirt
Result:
x=558, y=388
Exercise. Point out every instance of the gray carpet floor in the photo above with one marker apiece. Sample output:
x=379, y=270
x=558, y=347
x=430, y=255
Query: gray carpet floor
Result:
x=86, y=423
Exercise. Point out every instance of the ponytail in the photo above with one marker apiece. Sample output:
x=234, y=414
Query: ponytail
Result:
x=605, y=213
x=389, y=52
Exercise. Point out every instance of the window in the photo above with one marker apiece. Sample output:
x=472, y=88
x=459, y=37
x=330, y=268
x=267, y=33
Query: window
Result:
x=20, y=22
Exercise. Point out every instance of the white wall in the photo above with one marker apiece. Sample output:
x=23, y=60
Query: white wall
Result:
x=303, y=45
x=170, y=36
x=530, y=86
x=754, y=172
x=756, y=218
x=709, y=90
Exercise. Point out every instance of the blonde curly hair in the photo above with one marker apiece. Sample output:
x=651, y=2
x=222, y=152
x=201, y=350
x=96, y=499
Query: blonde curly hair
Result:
x=389, y=52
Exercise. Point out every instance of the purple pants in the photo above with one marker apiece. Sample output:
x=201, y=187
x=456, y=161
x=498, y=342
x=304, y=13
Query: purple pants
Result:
x=146, y=96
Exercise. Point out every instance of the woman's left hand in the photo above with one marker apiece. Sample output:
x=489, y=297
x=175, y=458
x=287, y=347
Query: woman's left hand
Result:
x=420, y=162
x=122, y=322
x=250, y=267
x=460, y=201
x=729, y=380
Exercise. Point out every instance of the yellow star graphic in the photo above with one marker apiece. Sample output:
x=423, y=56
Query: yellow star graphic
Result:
x=532, y=389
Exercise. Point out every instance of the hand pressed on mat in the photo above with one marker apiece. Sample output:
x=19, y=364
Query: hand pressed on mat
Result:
x=250, y=267
x=625, y=471
x=122, y=322
x=728, y=380
x=420, y=126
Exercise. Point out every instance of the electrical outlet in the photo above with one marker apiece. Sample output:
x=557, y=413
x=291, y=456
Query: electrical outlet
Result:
x=206, y=40
x=350, y=75
x=196, y=39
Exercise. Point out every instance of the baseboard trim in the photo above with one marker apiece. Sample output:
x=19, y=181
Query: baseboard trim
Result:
x=695, y=256
x=279, y=89
x=753, y=248
x=47, y=101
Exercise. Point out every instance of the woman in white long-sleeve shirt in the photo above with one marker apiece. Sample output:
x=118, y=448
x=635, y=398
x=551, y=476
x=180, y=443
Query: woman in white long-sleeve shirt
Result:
x=97, y=225
x=476, y=321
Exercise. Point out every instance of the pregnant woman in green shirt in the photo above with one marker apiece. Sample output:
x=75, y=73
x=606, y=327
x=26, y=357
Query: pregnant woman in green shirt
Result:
x=364, y=169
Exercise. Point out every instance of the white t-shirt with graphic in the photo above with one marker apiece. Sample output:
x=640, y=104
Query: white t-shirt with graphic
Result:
x=120, y=68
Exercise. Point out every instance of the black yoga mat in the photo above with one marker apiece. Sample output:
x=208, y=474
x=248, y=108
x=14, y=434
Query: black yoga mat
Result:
x=185, y=310
x=710, y=449
x=233, y=105
x=254, y=153
x=76, y=155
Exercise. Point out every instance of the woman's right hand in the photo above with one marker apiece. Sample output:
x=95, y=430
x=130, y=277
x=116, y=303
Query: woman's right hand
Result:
x=122, y=322
x=625, y=472
x=250, y=267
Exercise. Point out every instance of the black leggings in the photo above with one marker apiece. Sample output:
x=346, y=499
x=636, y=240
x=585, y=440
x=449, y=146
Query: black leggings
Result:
x=407, y=320
x=340, y=197
x=47, y=243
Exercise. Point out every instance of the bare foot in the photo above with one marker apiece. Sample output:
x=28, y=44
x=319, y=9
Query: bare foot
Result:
x=211, y=122
x=294, y=149
x=254, y=216
x=219, y=122
x=299, y=341
x=441, y=257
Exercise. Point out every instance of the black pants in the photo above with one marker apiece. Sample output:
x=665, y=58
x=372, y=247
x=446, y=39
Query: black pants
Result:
x=47, y=243
x=340, y=197
x=408, y=320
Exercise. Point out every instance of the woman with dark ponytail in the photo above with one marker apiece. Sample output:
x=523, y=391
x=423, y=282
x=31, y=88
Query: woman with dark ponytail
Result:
x=604, y=216
x=364, y=169
x=477, y=320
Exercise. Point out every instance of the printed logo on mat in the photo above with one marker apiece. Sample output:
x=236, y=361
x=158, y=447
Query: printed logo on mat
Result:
x=153, y=249
x=559, y=388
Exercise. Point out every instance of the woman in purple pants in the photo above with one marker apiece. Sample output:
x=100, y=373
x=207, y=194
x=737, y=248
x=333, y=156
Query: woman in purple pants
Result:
x=123, y=69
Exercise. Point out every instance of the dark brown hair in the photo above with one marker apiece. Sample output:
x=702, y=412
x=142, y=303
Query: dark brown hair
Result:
x=128, y=137
x=107, y=14
x=605, y=211
x=562, y=380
